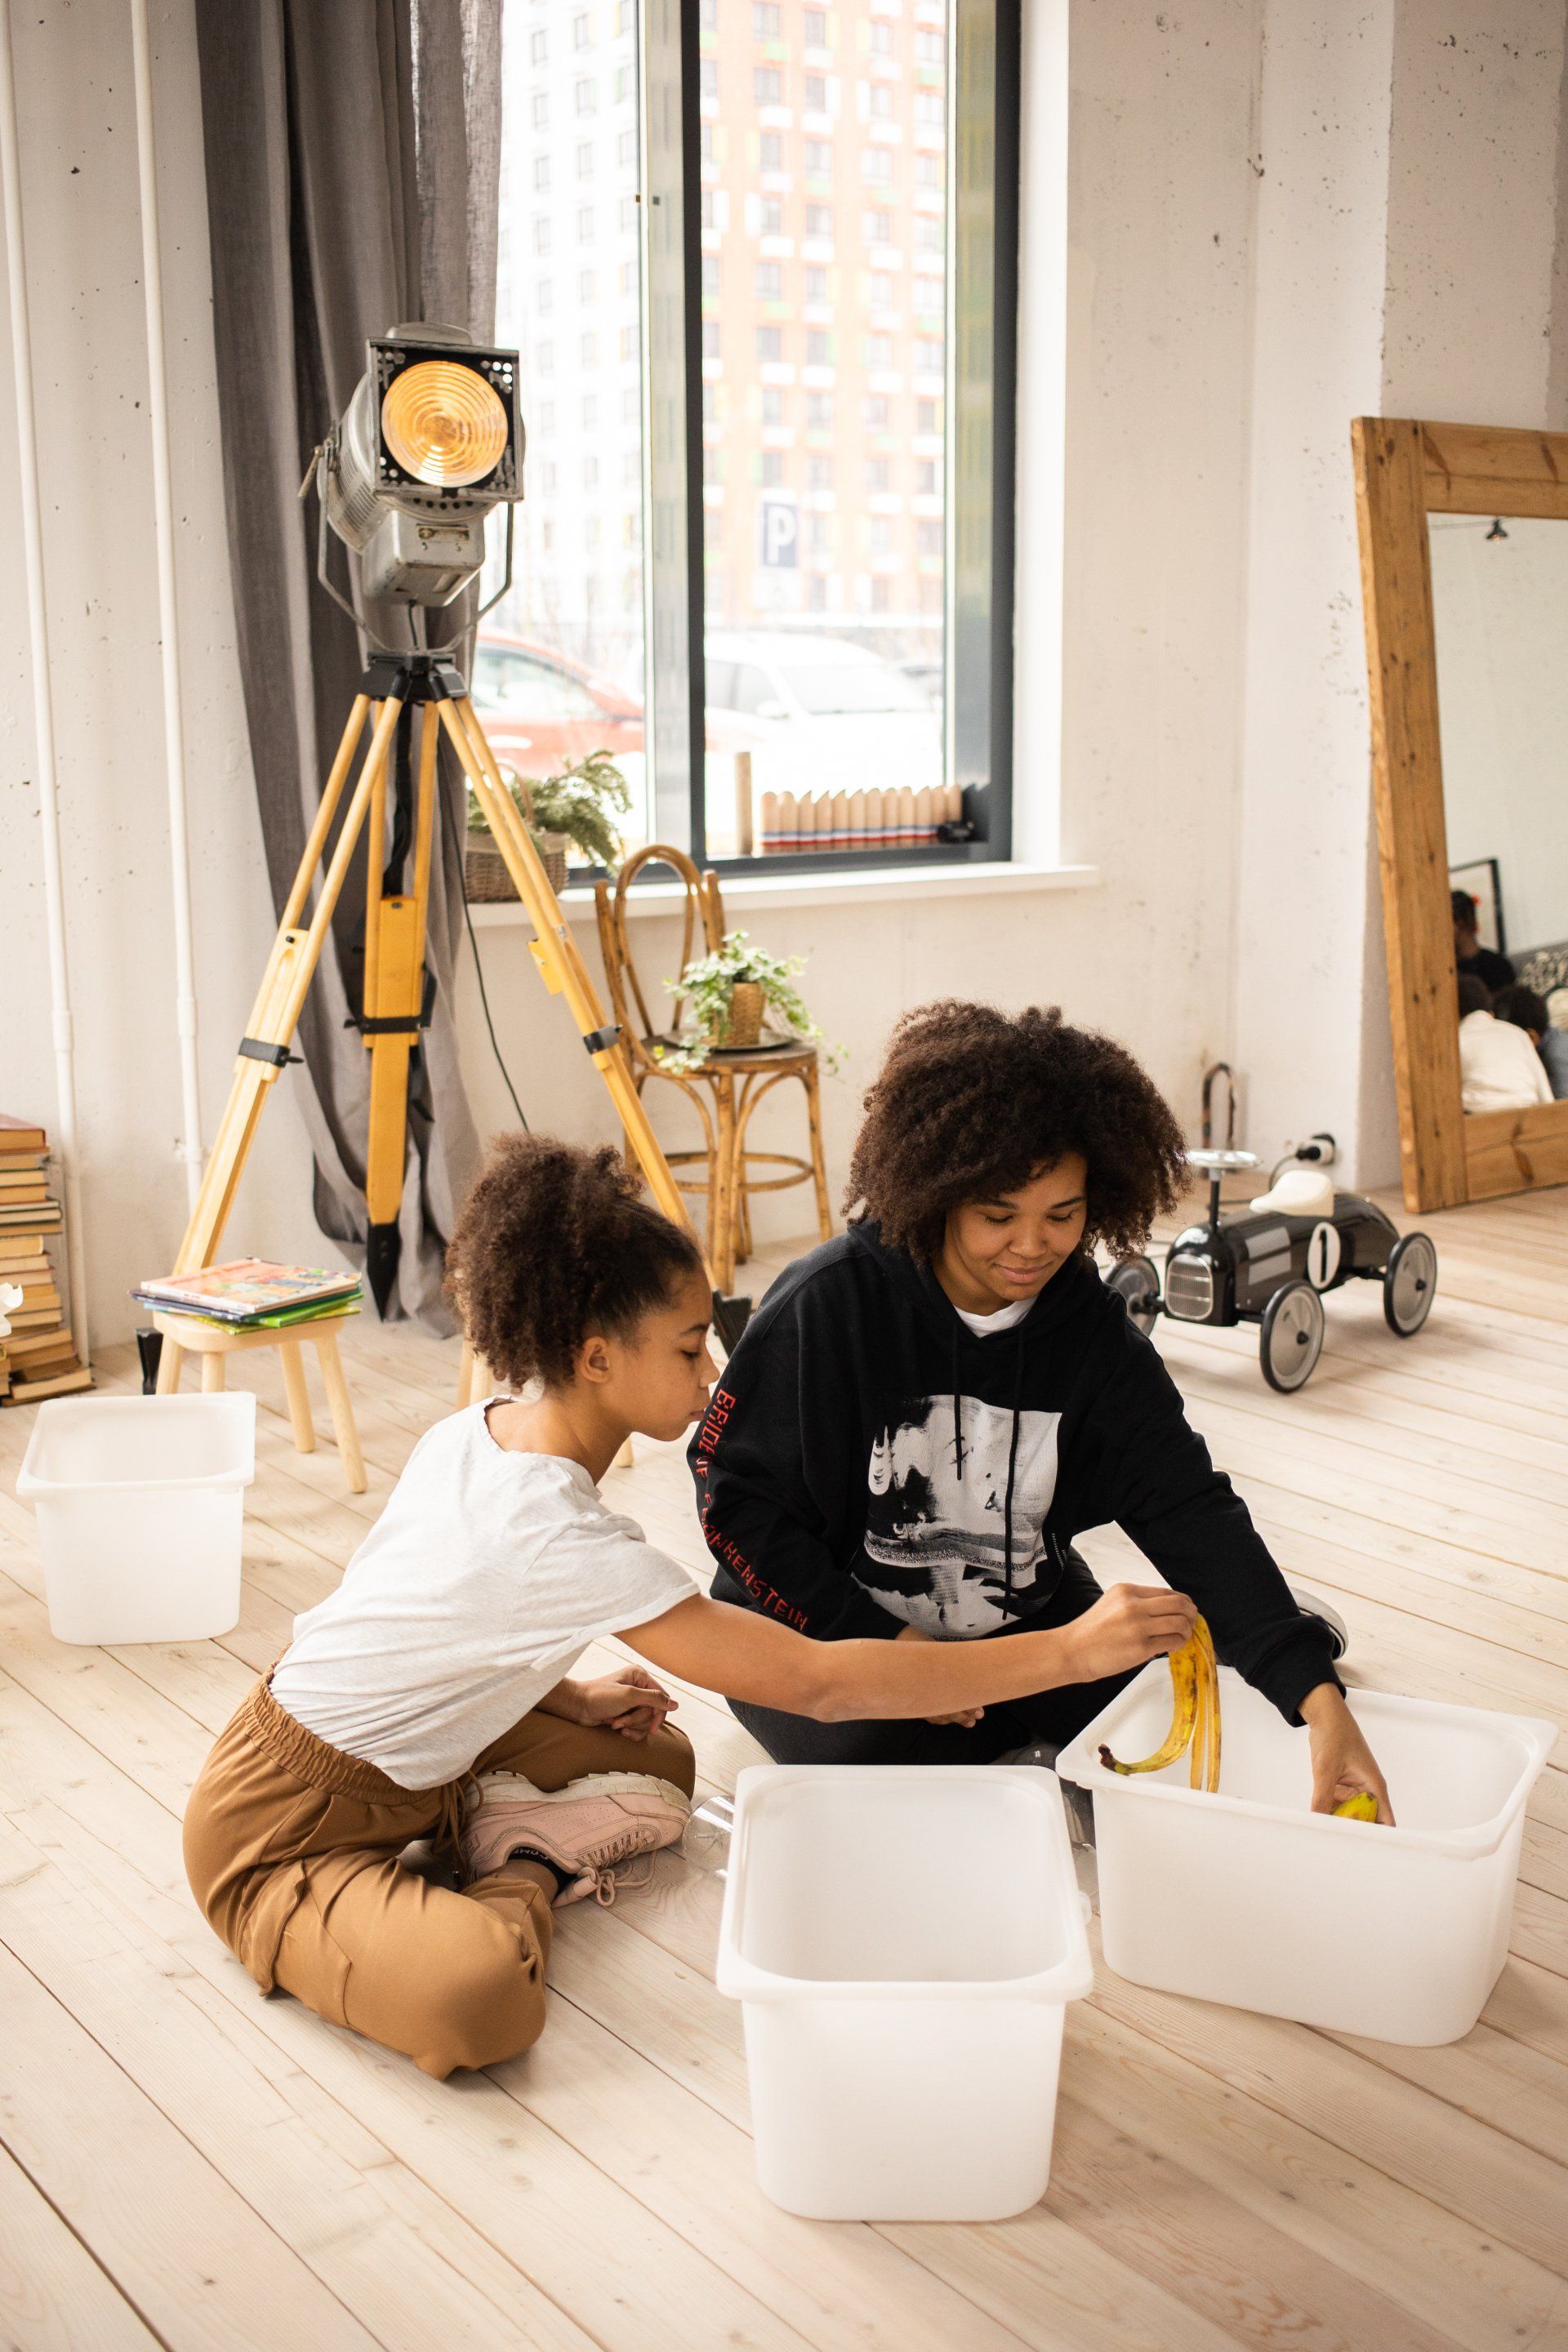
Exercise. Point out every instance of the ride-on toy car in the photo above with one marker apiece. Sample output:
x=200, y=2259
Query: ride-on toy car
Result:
x=1271, y=1267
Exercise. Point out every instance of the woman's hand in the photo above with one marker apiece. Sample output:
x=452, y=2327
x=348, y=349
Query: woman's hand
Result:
x=966, y=1717
x=1129, y=1625
x=628, y=1701
x=1342, y=1764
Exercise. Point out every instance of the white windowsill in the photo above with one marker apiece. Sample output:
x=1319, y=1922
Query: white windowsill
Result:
x=861, y=885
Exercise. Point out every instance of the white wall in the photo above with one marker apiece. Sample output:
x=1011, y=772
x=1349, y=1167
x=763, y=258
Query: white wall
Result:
x=1304, y=999
x=1279, y=213
x=1406, y=219
x=78, y=167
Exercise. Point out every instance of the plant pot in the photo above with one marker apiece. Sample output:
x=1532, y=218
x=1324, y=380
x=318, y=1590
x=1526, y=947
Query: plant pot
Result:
x=744, y=1024
x=486, y=877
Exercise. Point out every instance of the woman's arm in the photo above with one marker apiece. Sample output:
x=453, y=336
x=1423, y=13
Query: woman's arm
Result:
x=1162, y=1488
x=778, y=1466
x=757, y=1660
x=1342, y=1763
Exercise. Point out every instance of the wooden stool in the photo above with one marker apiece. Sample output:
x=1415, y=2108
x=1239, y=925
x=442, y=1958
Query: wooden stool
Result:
x=726, y=1089
x=183, y=1335
x=473, y=1378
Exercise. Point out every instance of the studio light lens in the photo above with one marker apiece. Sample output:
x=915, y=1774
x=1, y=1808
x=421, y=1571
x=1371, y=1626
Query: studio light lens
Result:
x=444, y=423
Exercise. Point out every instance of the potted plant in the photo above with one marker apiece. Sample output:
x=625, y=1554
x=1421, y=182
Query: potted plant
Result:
x=728, y=995
x=574, y=809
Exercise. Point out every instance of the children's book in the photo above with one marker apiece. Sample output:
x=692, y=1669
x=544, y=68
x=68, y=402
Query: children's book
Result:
x=343, y=1304
x=25, y=1392
x=249, y=1288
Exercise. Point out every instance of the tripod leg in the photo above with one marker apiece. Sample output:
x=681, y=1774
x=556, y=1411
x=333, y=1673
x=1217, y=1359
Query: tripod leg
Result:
x=290, y=970
x=394, y=988
x=554, y=949
x=315, y=846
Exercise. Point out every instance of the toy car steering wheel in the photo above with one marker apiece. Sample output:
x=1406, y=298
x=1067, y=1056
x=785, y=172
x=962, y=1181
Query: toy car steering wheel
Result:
x=1219, y=1162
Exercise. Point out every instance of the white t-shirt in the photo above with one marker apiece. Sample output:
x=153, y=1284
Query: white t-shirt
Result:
x=484, y=1580
x=1005, y=1319
x=1499, y=1069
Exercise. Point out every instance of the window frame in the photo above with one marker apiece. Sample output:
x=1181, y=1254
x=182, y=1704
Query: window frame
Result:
x=978, y=468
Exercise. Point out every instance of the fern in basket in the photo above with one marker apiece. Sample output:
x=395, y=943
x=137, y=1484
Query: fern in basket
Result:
x=706, y=990
x=582, y=803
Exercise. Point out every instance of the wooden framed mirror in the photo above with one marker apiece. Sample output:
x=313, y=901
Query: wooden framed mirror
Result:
x=1464, y=564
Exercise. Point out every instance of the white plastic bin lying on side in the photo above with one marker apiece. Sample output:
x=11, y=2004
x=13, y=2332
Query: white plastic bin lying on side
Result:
x=902, y=1941
x=140, y=1503
x=1247, y=1896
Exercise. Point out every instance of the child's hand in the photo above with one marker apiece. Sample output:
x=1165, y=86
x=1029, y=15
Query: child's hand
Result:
x=1342, y=1763
x=967, y=1716
x=628, y=1701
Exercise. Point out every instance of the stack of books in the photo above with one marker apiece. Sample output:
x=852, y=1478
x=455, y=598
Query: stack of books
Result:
x=37, y=1358
x=254, y=1293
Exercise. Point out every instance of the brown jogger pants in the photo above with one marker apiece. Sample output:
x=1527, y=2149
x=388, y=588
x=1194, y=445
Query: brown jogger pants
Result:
x=291, y=1849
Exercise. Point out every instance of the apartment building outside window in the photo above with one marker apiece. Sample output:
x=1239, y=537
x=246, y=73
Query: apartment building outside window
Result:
x=840, y=581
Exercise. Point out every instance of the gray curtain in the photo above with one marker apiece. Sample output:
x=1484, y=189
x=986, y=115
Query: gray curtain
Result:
x=352, y=155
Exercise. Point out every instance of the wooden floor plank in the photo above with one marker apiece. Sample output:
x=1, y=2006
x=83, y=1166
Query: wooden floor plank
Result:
x=585, y=2243
x=1517, y=2196
x=53, y=2296
x=183, y=2244
x=1345, y=2213
x=1221, y=2180
x=328, y=2206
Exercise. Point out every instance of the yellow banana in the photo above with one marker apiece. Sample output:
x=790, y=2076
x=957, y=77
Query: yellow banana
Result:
x=1195, y=1715
x=1211, y=1760
x=1361, y=1807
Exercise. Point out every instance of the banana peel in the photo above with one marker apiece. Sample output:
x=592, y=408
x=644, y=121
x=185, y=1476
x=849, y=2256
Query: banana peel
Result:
x=1195, y=1730
x=1194, y=1716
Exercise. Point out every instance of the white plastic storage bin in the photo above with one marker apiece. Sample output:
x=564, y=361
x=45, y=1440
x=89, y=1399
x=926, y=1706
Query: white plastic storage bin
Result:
x=140, y=1503
x=902, y=1941
x=1247, y=1896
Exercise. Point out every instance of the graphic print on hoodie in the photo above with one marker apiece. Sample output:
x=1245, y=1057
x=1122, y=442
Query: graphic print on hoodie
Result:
x=957, y=1490
x=852, y=1469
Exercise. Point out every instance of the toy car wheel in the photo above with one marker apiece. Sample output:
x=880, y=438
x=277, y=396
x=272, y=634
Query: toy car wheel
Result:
x=1137, y=1280
x=1410, y=1283
x=1293, y=1337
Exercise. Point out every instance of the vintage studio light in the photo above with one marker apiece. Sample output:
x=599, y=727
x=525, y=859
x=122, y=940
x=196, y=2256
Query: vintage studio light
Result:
x=430, y=442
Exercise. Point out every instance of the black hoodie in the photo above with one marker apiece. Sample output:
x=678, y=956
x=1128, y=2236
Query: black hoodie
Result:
x=868, y=1462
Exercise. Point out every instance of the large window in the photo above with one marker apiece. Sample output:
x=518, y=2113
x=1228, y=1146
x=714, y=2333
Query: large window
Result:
x=759, y=261
x=559, y=667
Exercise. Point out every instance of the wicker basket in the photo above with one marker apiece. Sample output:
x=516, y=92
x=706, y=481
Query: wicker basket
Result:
x=485, y=876
x=744, y=1024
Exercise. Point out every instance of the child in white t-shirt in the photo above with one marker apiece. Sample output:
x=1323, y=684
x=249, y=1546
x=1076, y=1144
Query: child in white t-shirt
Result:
x=1499, y=1069
x=432, y=1696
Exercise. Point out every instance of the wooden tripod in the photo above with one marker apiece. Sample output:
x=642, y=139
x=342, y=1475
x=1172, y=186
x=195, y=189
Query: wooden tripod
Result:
x=396, y=997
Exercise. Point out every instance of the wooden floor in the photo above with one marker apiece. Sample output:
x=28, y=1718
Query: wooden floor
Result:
x=184, y=2163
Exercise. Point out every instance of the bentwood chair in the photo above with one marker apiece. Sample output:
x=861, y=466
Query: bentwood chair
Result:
x=728, y=1086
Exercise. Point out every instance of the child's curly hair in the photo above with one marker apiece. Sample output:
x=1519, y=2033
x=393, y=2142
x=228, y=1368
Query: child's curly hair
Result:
x=971, y=1103
x=555, y=1243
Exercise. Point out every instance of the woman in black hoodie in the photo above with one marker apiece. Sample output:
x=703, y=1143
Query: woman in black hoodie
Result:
x=925, y=1411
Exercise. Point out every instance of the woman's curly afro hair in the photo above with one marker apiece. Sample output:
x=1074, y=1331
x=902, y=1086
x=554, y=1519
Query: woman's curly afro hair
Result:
x=555, y=1243
x=971, y=1103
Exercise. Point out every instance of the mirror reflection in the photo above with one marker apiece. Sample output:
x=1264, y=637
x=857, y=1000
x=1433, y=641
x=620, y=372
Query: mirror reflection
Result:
x=1500, y=595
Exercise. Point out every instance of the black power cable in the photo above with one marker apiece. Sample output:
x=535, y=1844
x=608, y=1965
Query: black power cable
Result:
x=489, y=1024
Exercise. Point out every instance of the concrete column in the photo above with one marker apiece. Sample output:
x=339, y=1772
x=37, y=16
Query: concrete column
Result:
x=1321, y=245
x=1405, y=244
